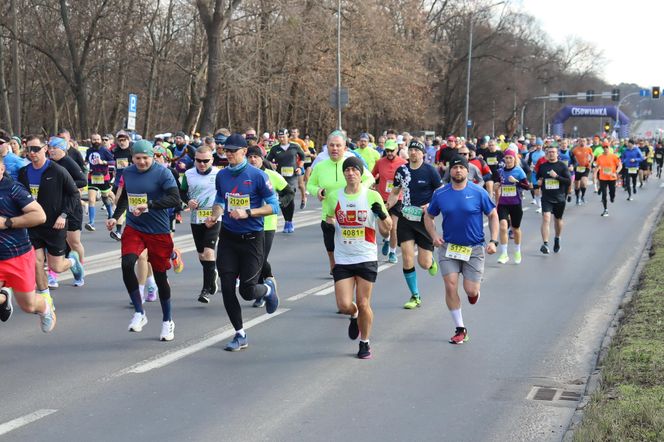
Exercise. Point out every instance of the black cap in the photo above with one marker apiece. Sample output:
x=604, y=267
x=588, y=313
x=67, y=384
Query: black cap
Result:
x=281, y=132
x=353, y=162
x=414, y=144
x=458, y=160
x=180, y=134
x=254, y=150
x=235, y=141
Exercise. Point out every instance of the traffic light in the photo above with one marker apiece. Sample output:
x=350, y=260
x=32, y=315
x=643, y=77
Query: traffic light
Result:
x=615, y=95
x=655, y=92
x=561, y=97
x=590, y=95
x=607, y=126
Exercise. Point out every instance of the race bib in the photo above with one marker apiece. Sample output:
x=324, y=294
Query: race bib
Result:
x=565, y=162
x=389, y=185
x=658, y=156
x=632, y=170
x=509, y=190
x=199, y=216
x=219, y=167
x=580, y=169
x=492, y=161
x=136, y=199
x=239, y=202
x=352, y=234
x=34, y=190
x=607, y=171
x=455, y=251
x=97, y=179
x=412, y=213
x=287, y=171
x=121, y=163
x=551, y=184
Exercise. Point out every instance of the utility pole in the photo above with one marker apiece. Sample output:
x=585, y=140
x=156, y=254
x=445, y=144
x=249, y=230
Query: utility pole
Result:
x=16, y=77
x=339, y=64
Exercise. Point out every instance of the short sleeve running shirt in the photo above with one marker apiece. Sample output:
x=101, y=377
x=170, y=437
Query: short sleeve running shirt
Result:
x=418, y=184
x=462, y=211
x=607, y=165
x=279, y=183
x=385, y=170
x=13, y=198
x=142, y=187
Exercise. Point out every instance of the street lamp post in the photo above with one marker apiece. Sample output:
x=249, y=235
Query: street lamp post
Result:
x=339, y=64
x=470, y=58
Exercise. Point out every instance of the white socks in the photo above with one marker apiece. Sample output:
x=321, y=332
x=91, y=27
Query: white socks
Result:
x=457, y=318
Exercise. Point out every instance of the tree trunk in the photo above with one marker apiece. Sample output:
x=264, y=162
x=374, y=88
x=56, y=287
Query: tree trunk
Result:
x=16, y=84
x=210, y=101
x=81, y=105
x=5, y=112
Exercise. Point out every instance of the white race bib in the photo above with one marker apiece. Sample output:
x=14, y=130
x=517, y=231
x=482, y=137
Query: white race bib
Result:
x=412, y=213
x=121, y=163
x=492, y=161
x=389, y=185
x=287, y=171
x=580, y=169
x=455, y=251
x=632, y=170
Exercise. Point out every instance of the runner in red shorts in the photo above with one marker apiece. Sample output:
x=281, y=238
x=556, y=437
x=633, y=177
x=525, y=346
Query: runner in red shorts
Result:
x=19, y=210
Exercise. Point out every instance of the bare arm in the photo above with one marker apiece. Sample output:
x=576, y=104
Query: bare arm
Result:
x=33, y=215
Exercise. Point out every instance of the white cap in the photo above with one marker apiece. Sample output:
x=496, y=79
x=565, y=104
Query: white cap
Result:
x=400, y=140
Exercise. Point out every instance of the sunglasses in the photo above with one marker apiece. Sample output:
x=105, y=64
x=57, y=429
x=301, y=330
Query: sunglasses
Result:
x=463, y=153
x=104, y=139
x=158, y=155
x=200, y=160
x=230, y=150
x=35, y=149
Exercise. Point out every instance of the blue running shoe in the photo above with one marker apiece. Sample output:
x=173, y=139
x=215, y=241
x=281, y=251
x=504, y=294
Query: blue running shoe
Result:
x=238, y=343
x=77, y=268
x=386, y=247
x=392, y=258
x=271, y=300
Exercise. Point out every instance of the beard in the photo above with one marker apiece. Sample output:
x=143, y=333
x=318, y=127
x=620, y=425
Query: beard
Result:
x=458, y=180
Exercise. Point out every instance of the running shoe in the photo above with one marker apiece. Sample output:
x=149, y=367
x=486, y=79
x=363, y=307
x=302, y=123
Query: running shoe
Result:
x=90, y=227
x=271, y=300
x=503, y=258
x=79, y=282
x=605, y=213
x=473, y=299
x=386, y=247
x=116, y=235
x=517, y=257
x=204, y=297
x=539, y=210
x=167, y=331
x=556, y=246
x=433, y=270
x=238, y=343
x=413, y=302
x=569, y=198
x=365, y=351
x=152, y=293
x=460, y=336
x=303, y=204
x=510, y=234
x=77, y=268
x=6, y=308
x=52, y=280
x=137, y=322
x=353, y=329
x=48, y=319
x=583, y=200
x=259, y=303
x=392, y=258
x=176, y=259
x=544, y=249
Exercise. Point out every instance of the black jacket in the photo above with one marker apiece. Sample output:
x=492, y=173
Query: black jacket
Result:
x=57, y=191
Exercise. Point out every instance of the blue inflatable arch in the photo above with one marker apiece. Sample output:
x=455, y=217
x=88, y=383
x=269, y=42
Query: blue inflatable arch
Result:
x=570, y=111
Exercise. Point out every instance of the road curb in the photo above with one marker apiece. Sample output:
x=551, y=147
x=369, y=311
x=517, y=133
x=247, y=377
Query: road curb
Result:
x=594, y=380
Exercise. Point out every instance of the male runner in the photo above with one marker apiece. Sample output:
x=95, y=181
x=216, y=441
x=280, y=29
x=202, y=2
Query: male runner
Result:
x=98, y=158
x=553, y=178
x=583, y=160
x=606, y=173
x=631, y=158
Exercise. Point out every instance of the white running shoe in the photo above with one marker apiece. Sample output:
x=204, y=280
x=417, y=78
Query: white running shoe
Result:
x=137, y=322
x=167, y=331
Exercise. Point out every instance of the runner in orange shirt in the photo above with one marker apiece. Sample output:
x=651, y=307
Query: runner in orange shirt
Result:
x=608, y=168
x=583, y=157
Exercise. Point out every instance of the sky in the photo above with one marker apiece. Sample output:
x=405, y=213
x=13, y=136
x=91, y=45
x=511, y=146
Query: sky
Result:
x=629, y=33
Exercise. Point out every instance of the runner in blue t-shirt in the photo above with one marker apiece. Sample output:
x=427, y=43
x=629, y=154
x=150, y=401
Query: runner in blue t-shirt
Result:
x=417, y=181
x=462, y=249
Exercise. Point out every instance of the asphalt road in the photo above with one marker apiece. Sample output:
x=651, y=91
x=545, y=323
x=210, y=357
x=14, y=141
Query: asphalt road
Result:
x=538, y=324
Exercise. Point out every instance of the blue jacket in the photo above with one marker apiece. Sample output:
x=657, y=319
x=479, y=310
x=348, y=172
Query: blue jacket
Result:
x=631, y=157
x=13, y=163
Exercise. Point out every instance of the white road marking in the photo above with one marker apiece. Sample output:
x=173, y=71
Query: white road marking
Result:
x=172, y=356
x=24, y=420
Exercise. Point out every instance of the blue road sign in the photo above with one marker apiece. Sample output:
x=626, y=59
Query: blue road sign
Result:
x=133, y=102
x=644, y=93
x=469, y=123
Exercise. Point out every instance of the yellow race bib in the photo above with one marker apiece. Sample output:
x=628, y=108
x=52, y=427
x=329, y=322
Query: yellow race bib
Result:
x=97, y=179
x=352, y=234
x=455, y=251
x=136, y=199
x=287, y=171
x=509, y=190
x=239, y=202
x=551, y=184
x=34, y=190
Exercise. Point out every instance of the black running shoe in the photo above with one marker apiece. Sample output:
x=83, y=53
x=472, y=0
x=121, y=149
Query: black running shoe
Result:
x=544, y=249
x=353, y=329
x=365, y=351
x=204, y=297
x=6, y=308
x=556, y=246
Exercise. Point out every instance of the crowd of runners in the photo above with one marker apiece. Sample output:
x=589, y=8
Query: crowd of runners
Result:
x=377, y=194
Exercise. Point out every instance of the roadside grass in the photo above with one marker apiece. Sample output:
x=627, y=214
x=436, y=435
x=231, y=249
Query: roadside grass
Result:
x=629, y=405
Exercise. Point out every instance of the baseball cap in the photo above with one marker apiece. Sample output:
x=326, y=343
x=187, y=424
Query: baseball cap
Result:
x=353, y=162
x=143, y=147
x=458, y=160
x=122, y=133
x=390, y=145
x=282, y=131
x=235, y=142
x=220, y=139
x=400, y=139
x=414, y=144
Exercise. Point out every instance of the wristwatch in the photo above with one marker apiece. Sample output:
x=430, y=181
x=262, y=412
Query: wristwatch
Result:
x=63, y=215
x=248, y=212
x=494, y=242
x=8, y=223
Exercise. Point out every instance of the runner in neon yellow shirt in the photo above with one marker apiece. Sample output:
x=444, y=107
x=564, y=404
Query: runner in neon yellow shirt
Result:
x=368, y=153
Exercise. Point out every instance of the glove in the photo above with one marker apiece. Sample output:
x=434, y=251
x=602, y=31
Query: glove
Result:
x=378, y=210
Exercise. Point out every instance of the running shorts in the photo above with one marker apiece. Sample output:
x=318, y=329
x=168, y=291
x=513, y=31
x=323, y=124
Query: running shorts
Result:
x=159, y=245
x=328, y=235
x=204, y=237
x=472, y=270
x=365, y=270
x=396, y=209
x=553, y=207
x=414, y=231
x=513, y=213
x=53, y=240
x=19, y=272
x=75, y=221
